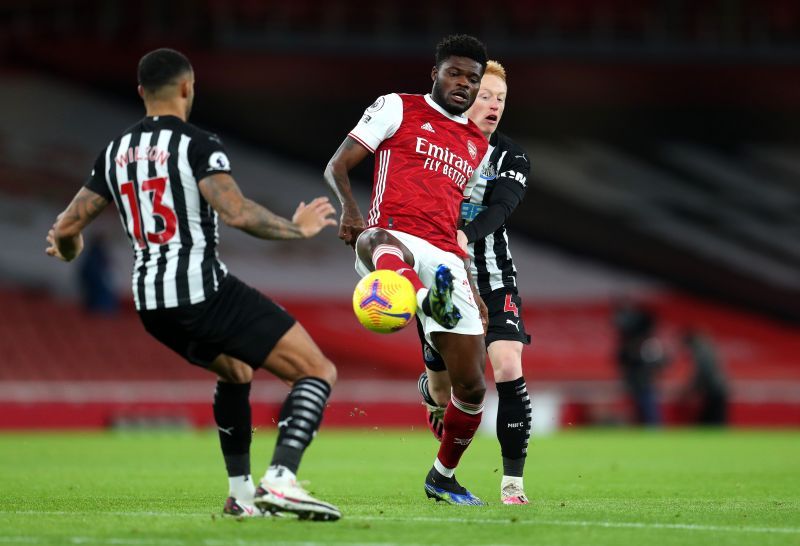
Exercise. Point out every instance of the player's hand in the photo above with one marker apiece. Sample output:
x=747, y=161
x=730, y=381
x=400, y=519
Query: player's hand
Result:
x=52, y=249
x=463, y=244
x=350, y=227
x=312, y=218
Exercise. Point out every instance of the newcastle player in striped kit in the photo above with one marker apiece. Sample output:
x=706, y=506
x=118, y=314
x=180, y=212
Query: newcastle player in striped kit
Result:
x=501, y=187
x=171, y=182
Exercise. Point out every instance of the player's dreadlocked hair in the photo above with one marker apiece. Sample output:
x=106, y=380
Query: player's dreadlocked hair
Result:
x=161, y=67
x=461, y=45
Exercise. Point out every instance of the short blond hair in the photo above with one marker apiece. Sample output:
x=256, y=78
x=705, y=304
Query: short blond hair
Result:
x=493, y=68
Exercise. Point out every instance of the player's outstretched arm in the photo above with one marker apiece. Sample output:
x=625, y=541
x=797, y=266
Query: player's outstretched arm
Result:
x=509, y=190
x=337, y=177
x=64, y=238
x=224, y=195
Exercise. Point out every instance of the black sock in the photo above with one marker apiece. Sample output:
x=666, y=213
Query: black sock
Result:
x=234, y=423
x=299, y=420
x=513, y=424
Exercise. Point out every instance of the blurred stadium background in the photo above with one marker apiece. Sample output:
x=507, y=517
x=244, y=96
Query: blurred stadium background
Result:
x=666, y=170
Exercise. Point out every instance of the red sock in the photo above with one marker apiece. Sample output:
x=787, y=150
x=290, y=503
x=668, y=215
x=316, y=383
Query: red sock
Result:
x=461, y=420
x=391, y=257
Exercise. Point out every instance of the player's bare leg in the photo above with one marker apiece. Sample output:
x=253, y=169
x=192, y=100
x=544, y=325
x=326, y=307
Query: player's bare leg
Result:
x=375, y=237
x=297, y=360
x=296, y=356
x=379, y=249
x=513, y=417
x=433, y=385
x=464, y=356
x=439, y=387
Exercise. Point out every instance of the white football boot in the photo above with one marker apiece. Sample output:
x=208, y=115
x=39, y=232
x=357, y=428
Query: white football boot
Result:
x=280, y=492
x=511, y=491
x=241, y=509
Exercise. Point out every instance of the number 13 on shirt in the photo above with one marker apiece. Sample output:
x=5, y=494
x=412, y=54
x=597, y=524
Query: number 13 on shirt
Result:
x=170, y=221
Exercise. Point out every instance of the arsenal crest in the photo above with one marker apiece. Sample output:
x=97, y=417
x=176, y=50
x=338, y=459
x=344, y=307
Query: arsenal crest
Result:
x=472, y=149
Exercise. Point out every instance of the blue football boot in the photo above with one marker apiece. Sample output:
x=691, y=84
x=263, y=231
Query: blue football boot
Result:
x=438, y=303
x=448, y=490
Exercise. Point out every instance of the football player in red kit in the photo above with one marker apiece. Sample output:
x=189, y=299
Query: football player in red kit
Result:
x=428, y=154
x=498, y=192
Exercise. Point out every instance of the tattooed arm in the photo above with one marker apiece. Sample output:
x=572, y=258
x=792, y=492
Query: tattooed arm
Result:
x=64, y=238
x=224, y=195
x=337, y=176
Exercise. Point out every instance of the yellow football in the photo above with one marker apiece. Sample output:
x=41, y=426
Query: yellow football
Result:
x=384, y=301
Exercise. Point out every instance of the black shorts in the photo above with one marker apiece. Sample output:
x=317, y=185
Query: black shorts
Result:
x=505, y=316
x=238, y=321
x=505, y=322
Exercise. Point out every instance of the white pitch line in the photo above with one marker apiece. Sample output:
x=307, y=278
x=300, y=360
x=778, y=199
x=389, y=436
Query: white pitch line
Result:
x=431, y=519
x=117, y=541
x=123, y=514
x=607, y=524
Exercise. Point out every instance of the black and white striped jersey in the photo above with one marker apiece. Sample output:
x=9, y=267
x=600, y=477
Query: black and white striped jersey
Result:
x=500, y=188
x=151, y=172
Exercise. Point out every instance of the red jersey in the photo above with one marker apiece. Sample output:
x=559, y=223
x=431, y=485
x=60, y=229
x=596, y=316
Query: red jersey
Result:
x=426, y=163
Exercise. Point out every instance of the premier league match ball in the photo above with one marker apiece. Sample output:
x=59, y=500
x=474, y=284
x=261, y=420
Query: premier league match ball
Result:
x=384, y=301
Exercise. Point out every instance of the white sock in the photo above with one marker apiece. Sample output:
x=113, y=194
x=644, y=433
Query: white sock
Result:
x=443, y=470
x=421, y=293
x=241, y=487
x=279, y=474
x=516, y=480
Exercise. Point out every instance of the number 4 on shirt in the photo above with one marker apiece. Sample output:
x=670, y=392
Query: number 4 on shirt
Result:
x=157, y=186
x=510, y=306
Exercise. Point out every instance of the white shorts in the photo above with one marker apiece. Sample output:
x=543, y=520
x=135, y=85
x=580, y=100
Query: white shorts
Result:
x=426, y=259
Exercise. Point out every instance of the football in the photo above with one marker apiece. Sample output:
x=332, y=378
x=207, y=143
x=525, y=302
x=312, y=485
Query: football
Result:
x=384, y=301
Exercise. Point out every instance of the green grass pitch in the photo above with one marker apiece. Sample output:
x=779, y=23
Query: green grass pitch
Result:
x=587, y=487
